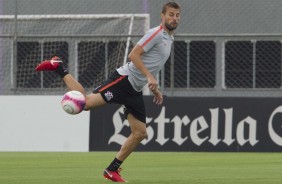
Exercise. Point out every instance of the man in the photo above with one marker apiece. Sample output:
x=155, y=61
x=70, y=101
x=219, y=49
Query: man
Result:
x=125, y=85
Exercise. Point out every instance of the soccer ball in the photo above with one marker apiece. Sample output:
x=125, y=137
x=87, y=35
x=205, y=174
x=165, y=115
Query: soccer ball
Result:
x=73, y=102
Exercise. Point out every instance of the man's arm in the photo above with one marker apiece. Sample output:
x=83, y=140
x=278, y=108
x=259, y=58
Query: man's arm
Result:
x=135, y=57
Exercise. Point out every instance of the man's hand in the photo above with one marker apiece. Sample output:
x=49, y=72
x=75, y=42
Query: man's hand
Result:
x=158, y=97
x=153, y=86
x=152, y=83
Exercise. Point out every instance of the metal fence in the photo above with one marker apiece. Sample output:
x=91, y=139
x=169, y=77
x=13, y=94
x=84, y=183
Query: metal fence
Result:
x=205, y=61
x=225, y=65
x=206, y=65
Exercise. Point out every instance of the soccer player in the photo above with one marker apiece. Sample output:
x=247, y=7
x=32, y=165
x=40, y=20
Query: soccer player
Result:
x=125, y=85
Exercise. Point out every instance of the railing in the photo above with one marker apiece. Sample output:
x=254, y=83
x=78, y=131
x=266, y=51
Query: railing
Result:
x=200, y=65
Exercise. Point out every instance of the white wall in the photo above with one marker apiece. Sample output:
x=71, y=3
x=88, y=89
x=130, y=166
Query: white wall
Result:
x=38, y=123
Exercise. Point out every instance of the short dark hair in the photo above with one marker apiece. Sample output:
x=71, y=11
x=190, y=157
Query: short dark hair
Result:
x=171, y=5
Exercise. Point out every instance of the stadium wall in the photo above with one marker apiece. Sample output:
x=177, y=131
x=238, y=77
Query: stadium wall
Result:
x=195, y=124
x=38, y=123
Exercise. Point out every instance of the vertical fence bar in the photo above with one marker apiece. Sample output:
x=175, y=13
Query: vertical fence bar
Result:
x=222, y=65
x=106, y=59
x=14, y=62
x=188, y=63
x=41, y=43
x=172, y=69
x=254, y=63
x=162, y=79
x=218, y=69
x=128, y=39
x=74, y=44
x=281, y=64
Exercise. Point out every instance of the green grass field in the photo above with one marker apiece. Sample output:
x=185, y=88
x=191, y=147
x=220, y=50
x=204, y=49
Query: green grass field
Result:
x=142, y=167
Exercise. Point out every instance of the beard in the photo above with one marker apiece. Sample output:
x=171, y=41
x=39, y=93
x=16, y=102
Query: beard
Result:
x=170, y=27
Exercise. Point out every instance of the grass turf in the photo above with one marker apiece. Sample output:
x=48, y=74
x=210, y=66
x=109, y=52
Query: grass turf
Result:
x=142, y=167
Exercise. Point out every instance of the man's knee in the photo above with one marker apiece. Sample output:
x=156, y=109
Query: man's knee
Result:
x=138, y=128
x=139, y=135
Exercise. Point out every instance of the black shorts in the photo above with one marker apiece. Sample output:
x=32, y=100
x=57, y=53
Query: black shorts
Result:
x=117, y=89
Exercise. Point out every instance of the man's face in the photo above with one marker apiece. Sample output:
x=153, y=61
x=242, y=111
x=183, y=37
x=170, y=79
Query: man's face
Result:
x=171, y=18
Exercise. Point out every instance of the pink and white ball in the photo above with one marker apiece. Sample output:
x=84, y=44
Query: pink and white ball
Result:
x=73, y=102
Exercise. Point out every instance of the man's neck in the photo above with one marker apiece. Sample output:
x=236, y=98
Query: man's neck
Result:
x=167, y=30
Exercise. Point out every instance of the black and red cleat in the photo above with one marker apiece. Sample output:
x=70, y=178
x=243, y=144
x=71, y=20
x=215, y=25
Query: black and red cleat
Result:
x=113, y=176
